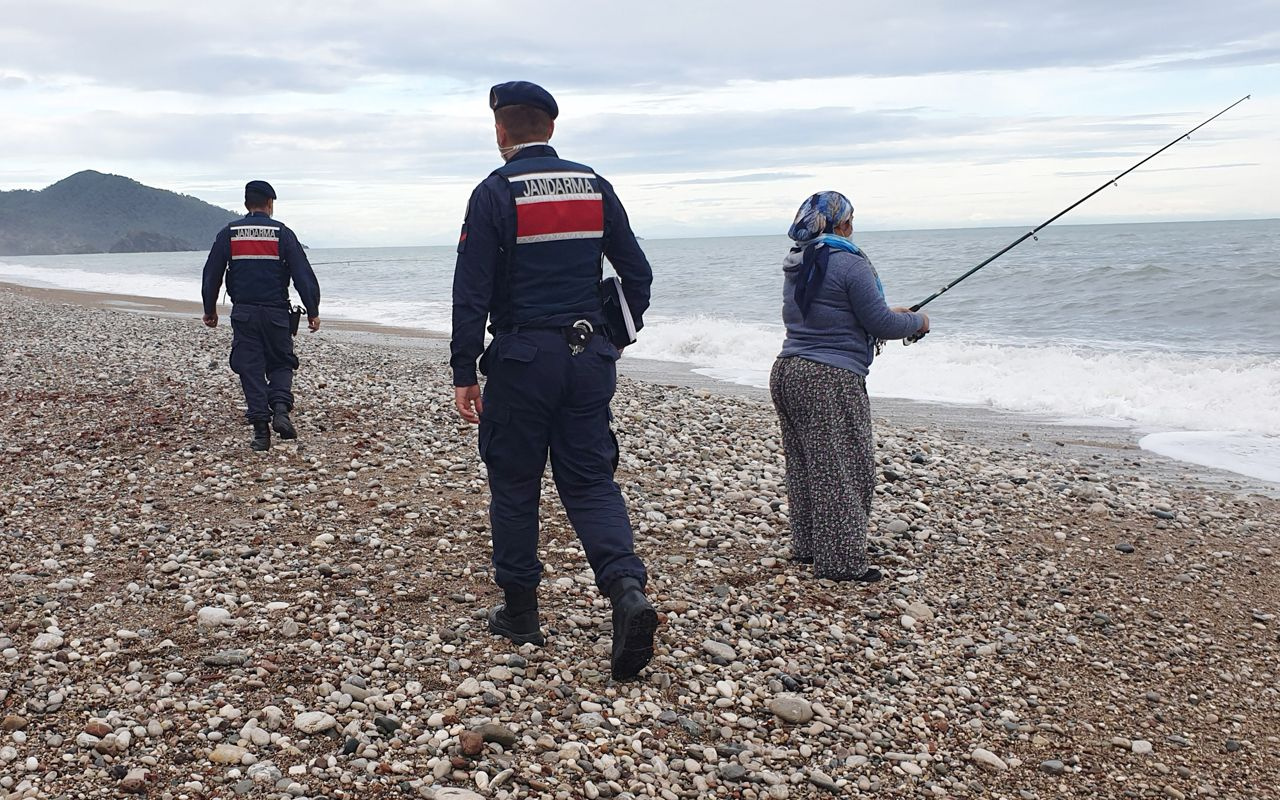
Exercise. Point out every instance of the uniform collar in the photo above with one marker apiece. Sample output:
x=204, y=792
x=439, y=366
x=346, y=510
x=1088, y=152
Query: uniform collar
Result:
x=258, y=214
x=537, y=151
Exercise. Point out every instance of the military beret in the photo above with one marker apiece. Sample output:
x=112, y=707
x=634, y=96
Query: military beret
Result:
x=260, y=187
x=522, y=93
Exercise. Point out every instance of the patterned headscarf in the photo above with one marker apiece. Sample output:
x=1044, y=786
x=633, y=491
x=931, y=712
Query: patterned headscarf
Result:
x=820, y=214
x=813, y=231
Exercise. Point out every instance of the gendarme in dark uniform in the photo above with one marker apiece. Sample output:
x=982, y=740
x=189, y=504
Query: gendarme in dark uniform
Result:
x=529, y=262
x=259, y=256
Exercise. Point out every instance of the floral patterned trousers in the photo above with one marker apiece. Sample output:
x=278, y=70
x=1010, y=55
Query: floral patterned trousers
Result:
x=825, y=416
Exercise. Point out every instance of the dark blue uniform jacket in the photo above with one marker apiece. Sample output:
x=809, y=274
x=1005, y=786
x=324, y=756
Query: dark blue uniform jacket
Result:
x=551, y=285
x=259, y=255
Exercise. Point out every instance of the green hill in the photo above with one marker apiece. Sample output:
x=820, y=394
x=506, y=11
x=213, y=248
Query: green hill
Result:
x=90, y=212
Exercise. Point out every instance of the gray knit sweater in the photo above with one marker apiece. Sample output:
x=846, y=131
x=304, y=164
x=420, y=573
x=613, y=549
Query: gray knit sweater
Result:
x=846, y=316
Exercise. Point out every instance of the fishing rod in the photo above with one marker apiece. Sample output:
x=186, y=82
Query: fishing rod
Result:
x=1031, y=234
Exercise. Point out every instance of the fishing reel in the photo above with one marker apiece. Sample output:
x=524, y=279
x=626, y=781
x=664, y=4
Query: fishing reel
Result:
x=912, y=339
x=918, y=335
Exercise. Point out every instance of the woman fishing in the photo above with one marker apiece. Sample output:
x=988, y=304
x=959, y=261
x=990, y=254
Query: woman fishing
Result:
x=834, y=309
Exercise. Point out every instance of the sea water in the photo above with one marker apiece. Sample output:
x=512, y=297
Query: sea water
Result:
x=1169, y=329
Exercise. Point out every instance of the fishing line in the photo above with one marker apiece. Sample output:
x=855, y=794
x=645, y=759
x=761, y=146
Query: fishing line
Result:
x=365, y=261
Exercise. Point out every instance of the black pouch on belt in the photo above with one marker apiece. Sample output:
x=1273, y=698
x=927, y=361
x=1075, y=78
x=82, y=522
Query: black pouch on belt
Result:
x=295, y=317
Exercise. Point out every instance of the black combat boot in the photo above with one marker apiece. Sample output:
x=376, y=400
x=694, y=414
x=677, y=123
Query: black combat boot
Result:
x=280, y=421
x=261, y=436
x=517, y=618
x=634, y=623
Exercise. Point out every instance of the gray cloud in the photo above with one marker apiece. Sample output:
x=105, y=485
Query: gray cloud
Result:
x=165, y=47
x=1261, y=56
x=319, y=145
x=752, y=177
x=743, y=140
x=327, y=47
x=368, y=72
x=1087, y=174
x=340, y=147
x=841, y=136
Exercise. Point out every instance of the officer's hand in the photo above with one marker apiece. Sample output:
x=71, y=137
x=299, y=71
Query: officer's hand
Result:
x=470, y=405
x=925, y=327
x=313, y=324
x=211, y=319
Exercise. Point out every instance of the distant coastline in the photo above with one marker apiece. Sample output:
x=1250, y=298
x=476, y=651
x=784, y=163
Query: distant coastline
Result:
x=91, y=212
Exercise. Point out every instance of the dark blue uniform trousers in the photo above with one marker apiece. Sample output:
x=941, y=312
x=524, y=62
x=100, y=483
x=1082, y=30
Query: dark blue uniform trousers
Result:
x=262, y=355
x=538, y=399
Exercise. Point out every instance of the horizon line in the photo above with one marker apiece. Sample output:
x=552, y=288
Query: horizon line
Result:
x=1005, y=226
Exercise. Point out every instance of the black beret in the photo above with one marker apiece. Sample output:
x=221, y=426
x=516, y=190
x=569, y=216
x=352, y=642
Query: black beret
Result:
x=259, y=187
x=522, y=93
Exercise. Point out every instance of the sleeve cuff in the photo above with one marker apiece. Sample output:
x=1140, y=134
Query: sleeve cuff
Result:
x=464, y=377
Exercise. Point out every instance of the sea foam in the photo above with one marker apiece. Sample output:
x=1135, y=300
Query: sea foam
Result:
x=1255, y=455
x=1220, y=410
x=1145, y=388
x=81, y=280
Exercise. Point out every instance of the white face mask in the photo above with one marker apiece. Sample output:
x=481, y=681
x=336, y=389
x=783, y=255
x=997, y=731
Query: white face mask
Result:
x=508, y=152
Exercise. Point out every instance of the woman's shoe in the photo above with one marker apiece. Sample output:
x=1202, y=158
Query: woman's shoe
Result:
x=870, y=576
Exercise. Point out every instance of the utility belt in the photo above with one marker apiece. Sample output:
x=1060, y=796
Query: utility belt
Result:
x=295, y=313
x=577, y=336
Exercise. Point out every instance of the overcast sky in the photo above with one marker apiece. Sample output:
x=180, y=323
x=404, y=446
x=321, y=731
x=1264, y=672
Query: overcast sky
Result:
x=710, y=118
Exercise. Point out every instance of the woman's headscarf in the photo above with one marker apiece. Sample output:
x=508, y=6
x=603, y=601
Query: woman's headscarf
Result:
x=817, y=219
x=820, y=214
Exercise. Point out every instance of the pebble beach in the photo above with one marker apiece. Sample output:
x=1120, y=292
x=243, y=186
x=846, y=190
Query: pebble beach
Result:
x=183, y=618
